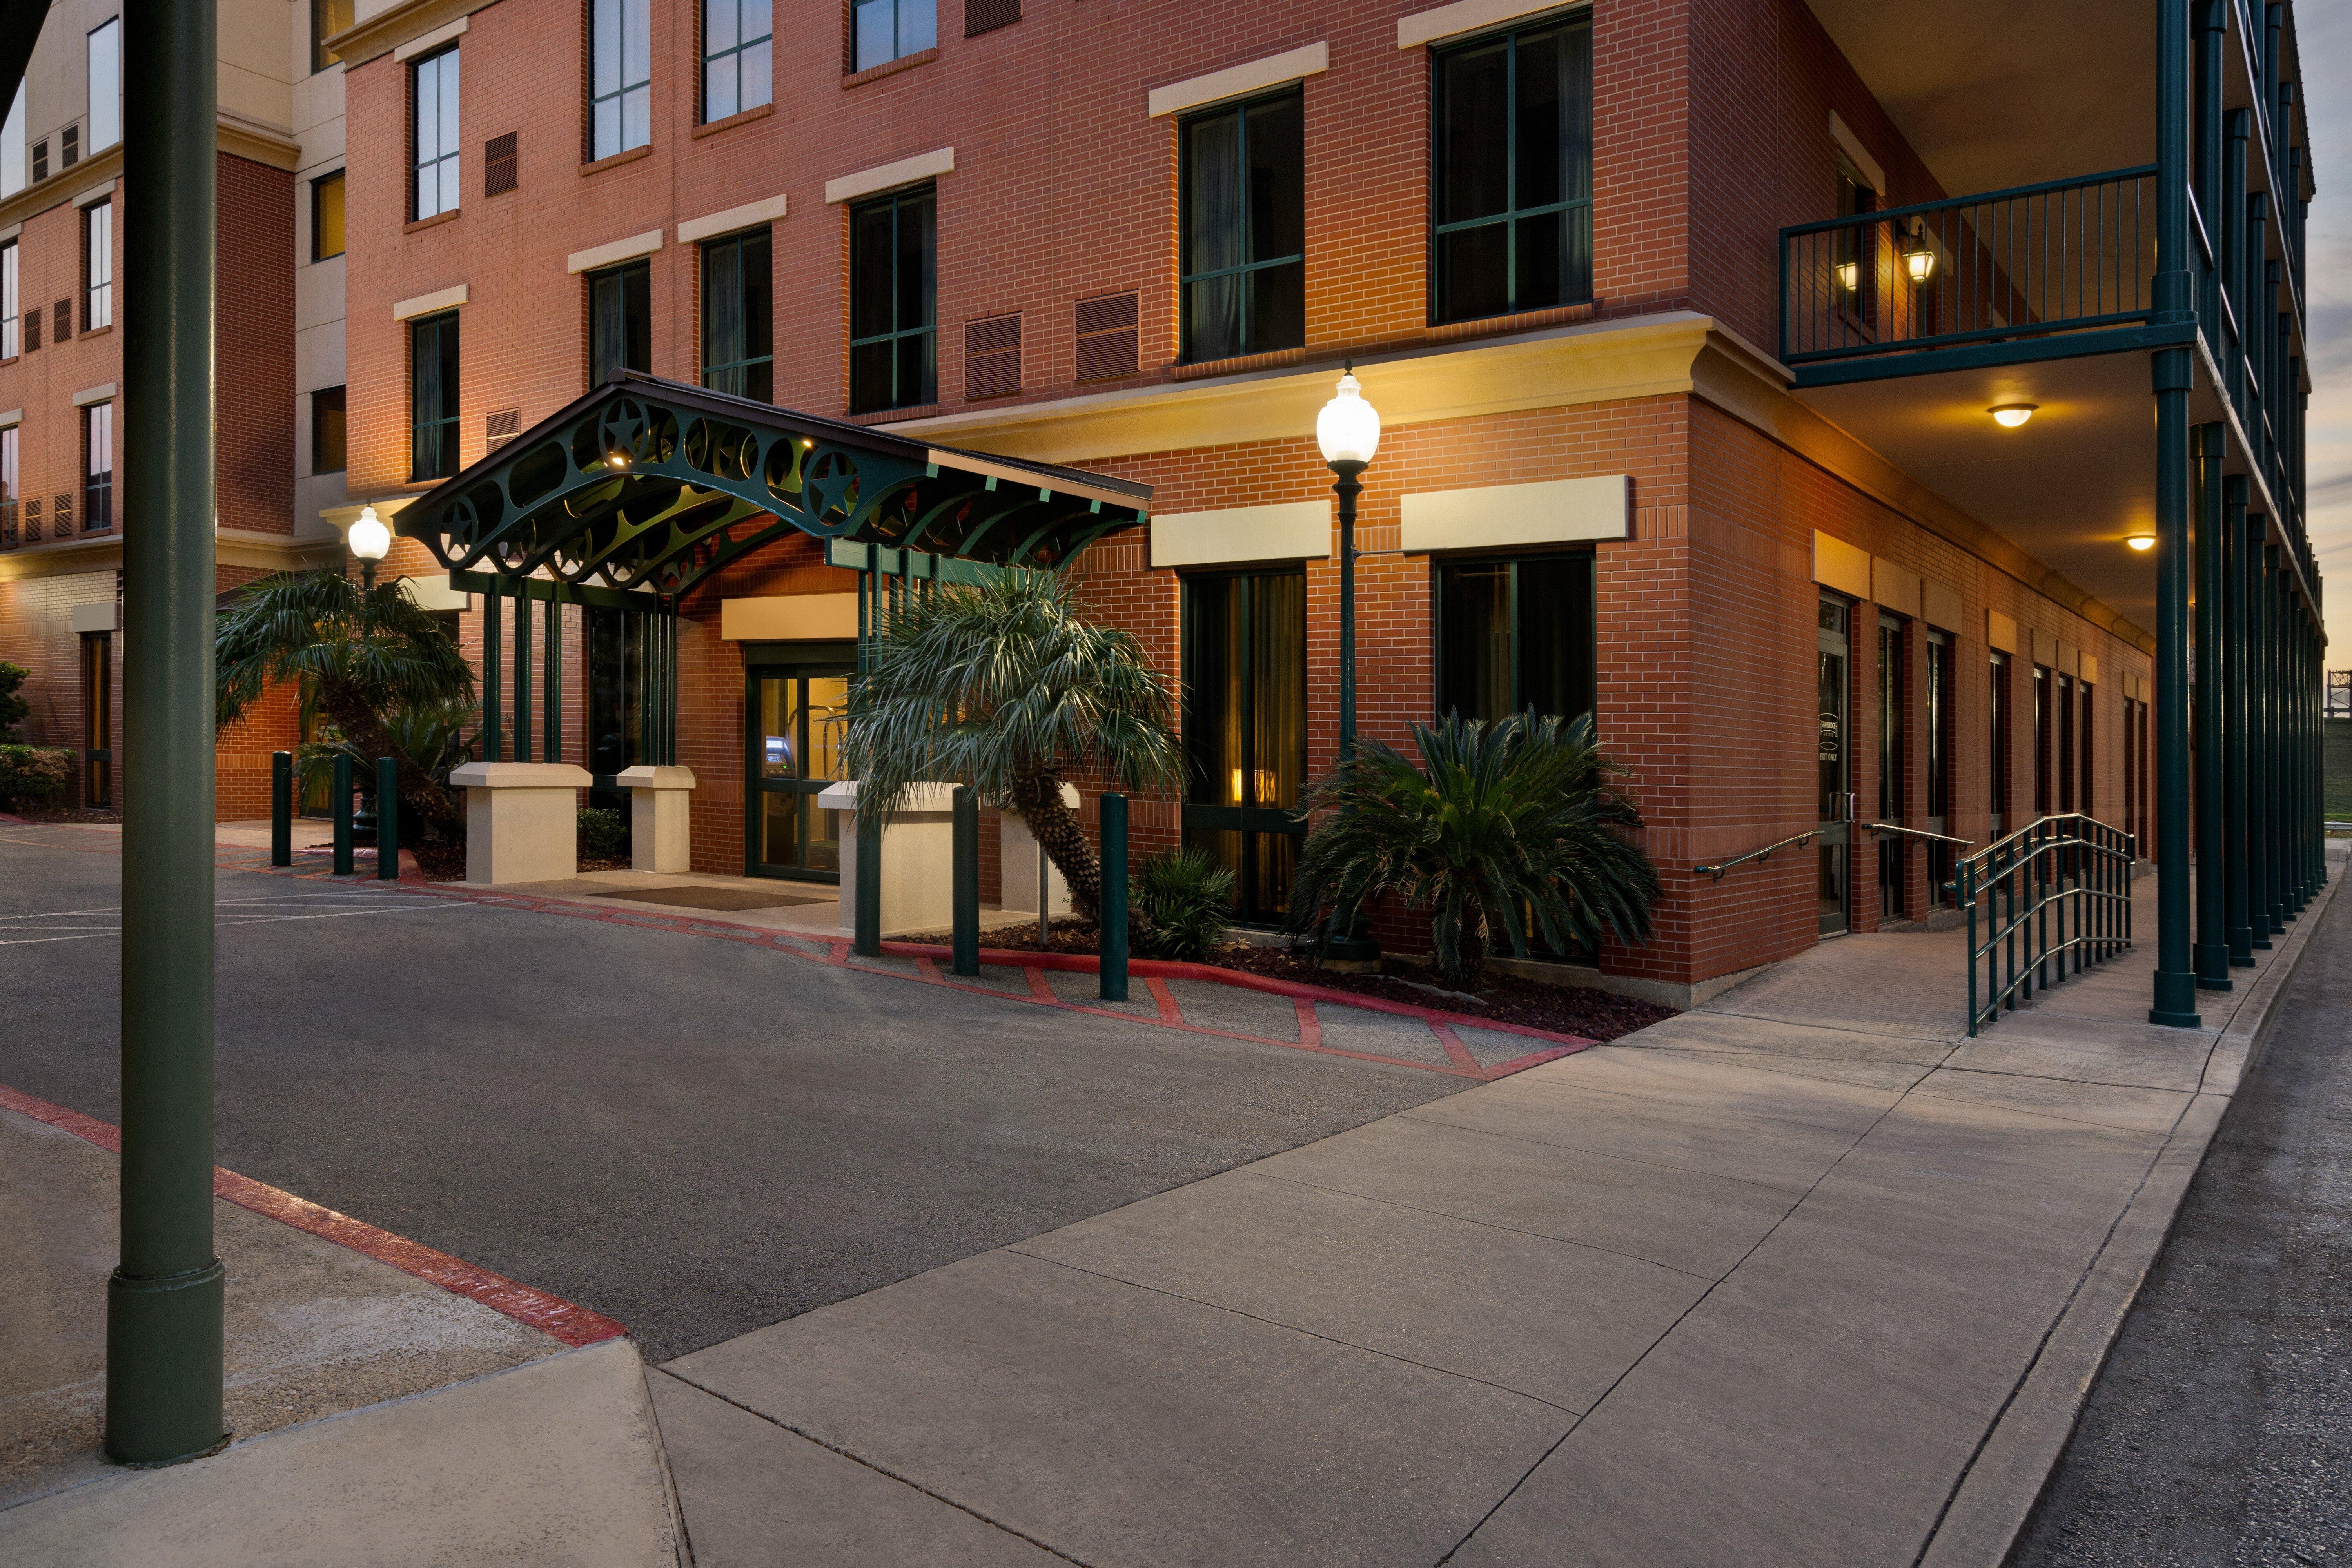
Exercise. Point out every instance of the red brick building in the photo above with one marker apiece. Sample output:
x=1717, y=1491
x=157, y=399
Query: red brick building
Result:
x=1740, y=491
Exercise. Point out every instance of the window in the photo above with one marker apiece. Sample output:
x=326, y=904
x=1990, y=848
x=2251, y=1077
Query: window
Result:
x=327, y=430
x=1939, y=760
x=69, y=146
x=1515, y=635
x=1856, y=259
x=2090, y=801
x=433, y=396
x=738, y=326
x=1514, y=172
x=2066, y=703
x=98, y=266
x=2040, y=740
x=893, y=292
x=98, y=718
x=105, y=85
x=737, y=72
x=11, y=146
x=9, y=538
x=9, y=346
x=620, y=83
x=1998, y=708
x=1245, y=689
x=1892, y=804
x=1245, y=223
x=620, y=319
x=433, y=122
x=328, y=17
x=97, y=467
x=888, y=29
x=327, y=216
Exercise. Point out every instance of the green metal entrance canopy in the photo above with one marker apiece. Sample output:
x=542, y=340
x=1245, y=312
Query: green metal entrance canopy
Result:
x=653, y=486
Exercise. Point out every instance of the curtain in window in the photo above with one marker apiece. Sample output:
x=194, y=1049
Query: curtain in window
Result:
x=1514, y=163
x=1244, y=230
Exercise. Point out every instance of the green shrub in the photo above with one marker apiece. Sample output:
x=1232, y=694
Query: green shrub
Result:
x=603, y=835
x=31, y=774
x=1183, y=902
x=14, y=710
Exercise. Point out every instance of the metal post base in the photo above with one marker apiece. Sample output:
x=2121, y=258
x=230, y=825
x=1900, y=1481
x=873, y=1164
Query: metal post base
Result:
x=2176, y=1002
x=163, y=1368
x=2213, y=960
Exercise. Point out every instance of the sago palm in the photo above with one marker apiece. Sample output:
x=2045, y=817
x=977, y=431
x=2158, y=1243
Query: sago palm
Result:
x=363, y=656
x=1006, y=687
x=1499, y=826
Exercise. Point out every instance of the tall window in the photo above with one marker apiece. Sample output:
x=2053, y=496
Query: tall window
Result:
x=1244, y=661
x=1244, y=230
x=98, y=718
x=1856, y=260
x=1892, y=804
x=1514, y=172
x=327, y=430
x=1998, y=754
x=10, y=347
x=433, y=396
x=1939, y=760
x=1515, y=635
x=432, y=131
x=620, y=319
x=106, y=85
x=97, y=467
x=327, y=216
x=887, y=29
x=893, y=302
x=9, y=536
x=620, y=83
x=2064, y=701
x=98, y=266
x=738, y=321
x=2040, y=740
x=328, y=17
x=738, y=72
x=2090, y=801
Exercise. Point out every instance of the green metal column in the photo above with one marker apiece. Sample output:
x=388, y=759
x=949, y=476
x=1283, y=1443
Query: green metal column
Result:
x=1111, y=923
x=2258, y=709
x=964, y=880
x=281, y=808
x=2213, y=948
x=2233, y=716
x=522, y=670
x=164, y=1300
x=491, y=614
x=2275, y=807
x=387, y=820
x=550, y=693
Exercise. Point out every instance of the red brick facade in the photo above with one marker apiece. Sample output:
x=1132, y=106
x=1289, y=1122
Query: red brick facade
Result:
x=1710, y=132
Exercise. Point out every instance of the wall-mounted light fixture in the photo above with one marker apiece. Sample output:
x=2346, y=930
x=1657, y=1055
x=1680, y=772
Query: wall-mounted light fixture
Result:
x=2010, y=415
x=1849, y=274
x=1917, y=260
x=2140, y=541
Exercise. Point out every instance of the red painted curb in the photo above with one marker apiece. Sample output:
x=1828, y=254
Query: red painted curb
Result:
x=551, y=1315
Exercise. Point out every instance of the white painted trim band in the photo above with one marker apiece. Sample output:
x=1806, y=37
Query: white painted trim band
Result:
x=605, y=254
x=885, y=177
x=750, y=215
x=1549, y=511
x=102, y=393
x=426, y=304
x=1235, y=81
x=425, y=43
x=83, y=199
x=1444, y=22
x=12, y=416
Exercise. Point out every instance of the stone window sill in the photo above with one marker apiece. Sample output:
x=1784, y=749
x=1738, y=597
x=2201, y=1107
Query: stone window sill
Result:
x=733, y=121
x=889, y=68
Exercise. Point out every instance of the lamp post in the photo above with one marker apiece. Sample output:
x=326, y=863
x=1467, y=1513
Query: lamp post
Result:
x=1348, y=432
x=369, y=539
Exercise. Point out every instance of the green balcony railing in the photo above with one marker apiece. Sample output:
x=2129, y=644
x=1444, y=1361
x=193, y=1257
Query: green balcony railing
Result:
x=2045, y=902
x=2066, y=256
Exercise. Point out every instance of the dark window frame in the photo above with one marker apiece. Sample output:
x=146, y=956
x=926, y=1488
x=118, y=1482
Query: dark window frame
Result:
x=98, y=483
x=612, y=286
x=427, y=432
x=622, y=91
x=1511, y=213
x=864, y=399
x=328, y=402
x=731, y=58
x=1240, y=110
x=319, y=185
x=328, y=17
x=753, y=372
x=1203, y=818
x=1998, y=716
x=446, y=163
x=899, y=36
x=12, y=279
x=97, y=259
x=1443, y=679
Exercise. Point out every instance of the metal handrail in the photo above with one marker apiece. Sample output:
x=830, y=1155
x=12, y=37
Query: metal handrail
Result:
x=1720, y=867
x=1916, y=833
x=2027, y=880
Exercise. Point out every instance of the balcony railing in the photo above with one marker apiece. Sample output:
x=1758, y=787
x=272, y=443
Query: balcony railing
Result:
x=2065, y=257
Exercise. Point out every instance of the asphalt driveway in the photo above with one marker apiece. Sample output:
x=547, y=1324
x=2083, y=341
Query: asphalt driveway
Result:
x=694, y=1136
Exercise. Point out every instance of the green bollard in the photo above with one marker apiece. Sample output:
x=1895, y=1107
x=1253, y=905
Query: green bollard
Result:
x=1113, y=913
x=867, y=938
x=966, y=891
x=343, y=807
x=387, y=820
x=281, y=808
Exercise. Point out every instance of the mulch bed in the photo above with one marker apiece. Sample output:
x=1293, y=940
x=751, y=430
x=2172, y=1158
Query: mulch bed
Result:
x=1505, y=998
x=62, y=813
x=443, y=860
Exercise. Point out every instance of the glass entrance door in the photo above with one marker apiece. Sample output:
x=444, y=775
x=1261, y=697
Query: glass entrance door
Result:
x=1836, y=769
x=793, y=751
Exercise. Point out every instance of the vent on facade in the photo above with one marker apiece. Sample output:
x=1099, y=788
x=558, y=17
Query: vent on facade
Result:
x=32, y=329
x=1107, y=338
x=987, y=15
x=41, y=160
x=32, y=522
x=500, y=427
x=69, y=146
x=61, y=517
x=498, y=165
x=991, y=357
x=61, y=321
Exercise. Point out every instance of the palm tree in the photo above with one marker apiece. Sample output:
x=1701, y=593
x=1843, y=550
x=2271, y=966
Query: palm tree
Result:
x=366, y=656
x=1499, y=826
x=1005, y=687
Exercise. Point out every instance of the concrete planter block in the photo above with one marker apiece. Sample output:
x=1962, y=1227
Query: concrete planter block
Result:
x=918, y=858
x=661, y=816
x=1024, y=865
x=523, y=820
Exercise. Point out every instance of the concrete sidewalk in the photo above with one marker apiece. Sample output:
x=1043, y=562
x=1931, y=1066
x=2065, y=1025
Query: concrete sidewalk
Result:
x=1801, y=1277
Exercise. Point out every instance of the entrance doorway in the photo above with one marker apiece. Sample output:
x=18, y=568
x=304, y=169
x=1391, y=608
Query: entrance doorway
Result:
x=1836, y=769
x=793, y=753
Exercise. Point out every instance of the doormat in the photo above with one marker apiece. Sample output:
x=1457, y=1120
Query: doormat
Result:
x=694, y=898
